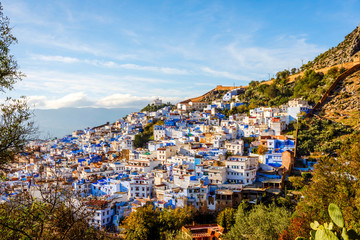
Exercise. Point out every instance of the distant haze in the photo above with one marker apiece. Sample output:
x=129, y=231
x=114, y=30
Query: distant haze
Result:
x=60, y=122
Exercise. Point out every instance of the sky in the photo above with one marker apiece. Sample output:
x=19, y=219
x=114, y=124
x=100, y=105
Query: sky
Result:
x=125, y=53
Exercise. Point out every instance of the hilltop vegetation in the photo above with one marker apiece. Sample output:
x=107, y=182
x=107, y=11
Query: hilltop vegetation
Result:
x=146, y=134
x=154, y=108
x=310, y=86
x=318, y=135
x=343, y=104
x=344, y=52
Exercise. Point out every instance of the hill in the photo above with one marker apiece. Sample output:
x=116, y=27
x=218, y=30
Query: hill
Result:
x=343, y=104
x=213, y=94
x=344, y=52
x=311, y=83
x=60, y=122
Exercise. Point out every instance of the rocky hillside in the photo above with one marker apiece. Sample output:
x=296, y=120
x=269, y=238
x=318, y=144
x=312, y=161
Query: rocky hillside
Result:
x=216, y=93
x=347, y=51
x=343, y=105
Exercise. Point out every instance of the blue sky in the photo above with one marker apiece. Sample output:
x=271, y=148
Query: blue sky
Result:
x=82, y=53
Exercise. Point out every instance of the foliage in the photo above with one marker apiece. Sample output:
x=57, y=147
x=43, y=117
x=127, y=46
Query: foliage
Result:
x=171, y=220
x=254, y=150
x=297, y=182
x=235, y=110
x=142, y=224
x=329, y=231
x=226, y=218
x=261, y=150
x=309, y=86
x=15, y=128
x=261, y=222
x=298, y=227
x=220, y=163
x=334, y=181
x=147, y=223
x=9, y=73
x=320, y=136
x=15, y=125
x=147, y=134
x=154, y=108
x=53, y=215
x=179, y=235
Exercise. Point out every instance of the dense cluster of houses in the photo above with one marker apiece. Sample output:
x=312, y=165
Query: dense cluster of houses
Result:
x=197, y=157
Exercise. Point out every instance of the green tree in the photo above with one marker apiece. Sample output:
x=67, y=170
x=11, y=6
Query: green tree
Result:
x=297, y=182
x=335, y=180
x=15, y=124
x=261, y=222
x=142, y=224
x=53, y=215
x=171, y=220
x=320, y=136
x=154, y=108
x=147, y=223
x=226, y=218
x=335, y=229
x=261, y=150
x=309, y=86
x=271, y=91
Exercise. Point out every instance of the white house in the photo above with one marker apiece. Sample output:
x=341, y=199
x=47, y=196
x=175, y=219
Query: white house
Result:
x=241, y=169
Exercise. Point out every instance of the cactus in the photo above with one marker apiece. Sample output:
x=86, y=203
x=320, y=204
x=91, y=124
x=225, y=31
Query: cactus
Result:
x=336, y=215
x=325, y=234
x=325, y=231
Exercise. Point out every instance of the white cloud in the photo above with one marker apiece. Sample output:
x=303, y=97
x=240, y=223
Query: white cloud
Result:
x=65, y=83
x=128, y=100
x=165, y=70
x=224, y=74
x=130, y=66
x=56, y=82
x=55, y=59
x=80, y=99
x=111, y=64
x=286, y=52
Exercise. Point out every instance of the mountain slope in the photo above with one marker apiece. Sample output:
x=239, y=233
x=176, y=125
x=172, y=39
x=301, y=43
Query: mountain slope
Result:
x=343, y=104
x=344, y=52
x=62, y=121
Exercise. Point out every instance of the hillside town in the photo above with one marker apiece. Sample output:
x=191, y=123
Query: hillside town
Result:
x=196, y=156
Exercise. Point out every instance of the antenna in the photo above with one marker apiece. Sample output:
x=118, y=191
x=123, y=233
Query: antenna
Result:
x=302, y=62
